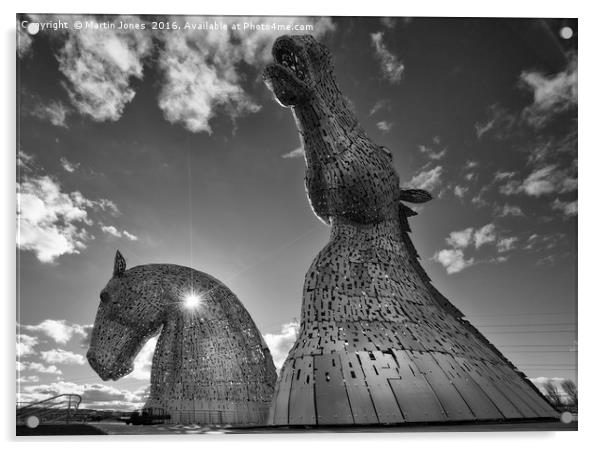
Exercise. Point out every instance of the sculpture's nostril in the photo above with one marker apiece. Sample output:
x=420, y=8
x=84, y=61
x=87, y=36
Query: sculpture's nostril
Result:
x=104, y=297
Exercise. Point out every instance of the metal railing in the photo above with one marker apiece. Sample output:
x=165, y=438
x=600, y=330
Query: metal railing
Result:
x=59, y=408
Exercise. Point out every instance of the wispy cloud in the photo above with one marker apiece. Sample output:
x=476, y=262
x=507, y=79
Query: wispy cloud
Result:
x=280, y=343
x=59, y=330
x=112, y=231
x=54, y=112
x=391, y=66
x=384, y=126
x=485, y=235
x=552, y=94
x=506, y=244
x=26, y=344
x=569, y=209
x=500, y=122
x=60, y=356
x=511, y=210
x=427, y=179
x=295, y=153
x=544, y=180
x=380, y=105
x=38, y=368
x=431, y=153
x=68, y=165
x=460, y=191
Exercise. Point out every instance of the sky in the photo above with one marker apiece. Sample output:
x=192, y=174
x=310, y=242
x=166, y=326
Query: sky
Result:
x=166, y=145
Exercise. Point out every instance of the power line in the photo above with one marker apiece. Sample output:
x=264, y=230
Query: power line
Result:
x=560, y=324
x=522, y=314
x=533, y=331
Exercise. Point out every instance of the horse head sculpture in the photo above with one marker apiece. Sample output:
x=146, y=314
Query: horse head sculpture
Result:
x=210, y=365
x=377, y=343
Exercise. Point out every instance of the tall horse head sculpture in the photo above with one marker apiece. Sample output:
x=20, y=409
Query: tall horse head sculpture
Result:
x=377, y=343
x=210, y=365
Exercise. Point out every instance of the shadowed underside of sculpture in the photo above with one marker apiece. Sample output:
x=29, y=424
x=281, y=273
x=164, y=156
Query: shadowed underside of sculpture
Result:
x=210, y=365
x=377, y=342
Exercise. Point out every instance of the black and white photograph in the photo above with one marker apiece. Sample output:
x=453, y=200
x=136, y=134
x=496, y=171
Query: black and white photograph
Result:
x=287, y=224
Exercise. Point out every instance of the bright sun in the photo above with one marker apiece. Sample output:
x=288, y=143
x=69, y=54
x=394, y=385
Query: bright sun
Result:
x=192, y=300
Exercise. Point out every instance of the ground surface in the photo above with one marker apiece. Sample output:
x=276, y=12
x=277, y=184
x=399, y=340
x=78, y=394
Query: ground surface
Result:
x=122, y=428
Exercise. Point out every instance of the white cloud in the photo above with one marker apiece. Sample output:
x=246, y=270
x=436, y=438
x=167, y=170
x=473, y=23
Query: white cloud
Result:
x=99, y=65
x=144, y=360
x=25, y=344
x=52, y=222
x=28, y=379
x=506, y=244
x=551, y=94
x=460, y=191
x=296, y=153
x=453, y=260
x=511, y=210
x=539, y=182
x=428, y=179
x=384, y=126
x=24, y=160
x=129, y=235
x=542, y=181
x=501, y=175
x=432, y=153
x=39, y=368
x=200, y=70
x=499, y=123
x=568, y=208
x=460, y=239
x=106, y=205
x=111, y=230
x=382, y=104
x=54, y=112
x=280, y=343
x=59, y=330
x=391, y=66
x=511, y=187
x=68, y=165
x=60, y=356
x=484, y=235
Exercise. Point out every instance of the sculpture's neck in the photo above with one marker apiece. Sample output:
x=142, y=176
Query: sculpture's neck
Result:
x=178, y=351
x=327, y=128
x=368, y=232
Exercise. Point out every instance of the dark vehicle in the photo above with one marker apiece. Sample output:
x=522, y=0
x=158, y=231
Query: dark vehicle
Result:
x=147, y=417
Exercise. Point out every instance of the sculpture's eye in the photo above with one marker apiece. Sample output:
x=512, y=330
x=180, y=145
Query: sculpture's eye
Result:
x=104, y=296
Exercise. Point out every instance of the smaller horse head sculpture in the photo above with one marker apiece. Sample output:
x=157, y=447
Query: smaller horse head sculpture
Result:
x=210, y=356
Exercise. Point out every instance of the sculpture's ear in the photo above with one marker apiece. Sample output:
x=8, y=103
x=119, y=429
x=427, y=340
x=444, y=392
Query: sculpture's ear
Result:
x=119, y=265
x=414, y=195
